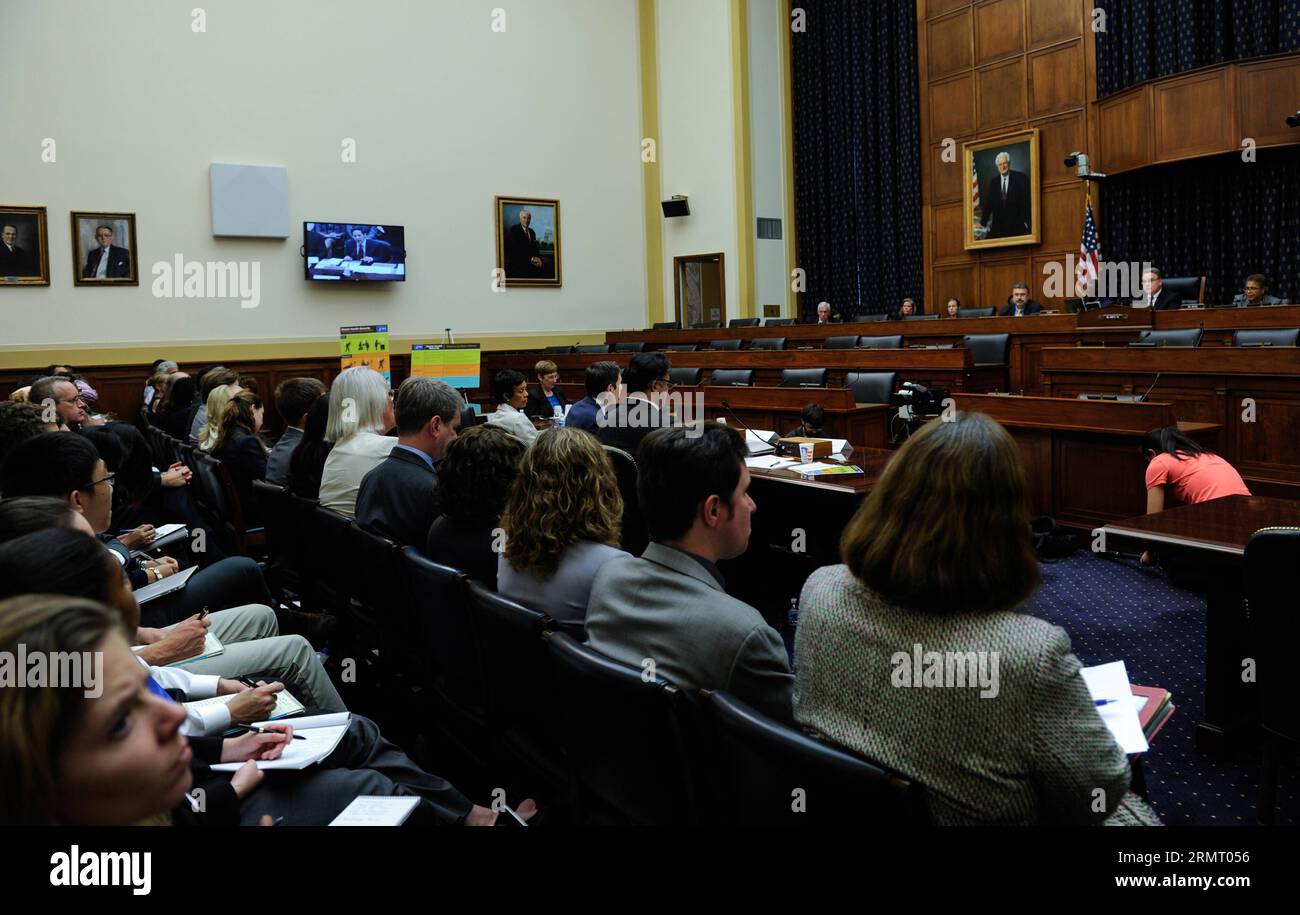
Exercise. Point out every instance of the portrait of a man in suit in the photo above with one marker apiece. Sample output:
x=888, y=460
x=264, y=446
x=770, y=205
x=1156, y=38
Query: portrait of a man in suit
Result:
x=528, y=241
x=14, y=259
x=24, y=260
x=1001, y=198
x=1006, y=202
x=104, y=249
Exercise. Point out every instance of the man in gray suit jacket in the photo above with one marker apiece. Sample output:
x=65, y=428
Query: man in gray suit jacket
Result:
x=670, y=606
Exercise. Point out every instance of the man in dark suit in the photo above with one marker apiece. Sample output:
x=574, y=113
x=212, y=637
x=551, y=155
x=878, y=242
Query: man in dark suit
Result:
x=1019, y=303
x=625, y=423
x=13, y=259
x=1006, y=201
x=108, y=261
x=396, y=498
x=1154, y=295
x=367, y=250
x=670, y=605
x=523, y=256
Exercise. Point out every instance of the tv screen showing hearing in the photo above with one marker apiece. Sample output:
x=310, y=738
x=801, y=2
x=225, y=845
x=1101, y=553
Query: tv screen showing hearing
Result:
x=351, y=252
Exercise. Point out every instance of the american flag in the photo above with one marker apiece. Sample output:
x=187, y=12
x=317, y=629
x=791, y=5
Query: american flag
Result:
x=1085, y=272
x=975, y=192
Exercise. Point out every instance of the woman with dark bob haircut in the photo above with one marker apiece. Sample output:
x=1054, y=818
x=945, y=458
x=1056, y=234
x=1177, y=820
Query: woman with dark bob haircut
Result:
x=911, y=652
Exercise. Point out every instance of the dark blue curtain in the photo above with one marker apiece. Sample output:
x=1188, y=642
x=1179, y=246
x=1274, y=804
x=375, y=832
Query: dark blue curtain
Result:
x=857, y=154
x=1148, y=39
x=1218, y=217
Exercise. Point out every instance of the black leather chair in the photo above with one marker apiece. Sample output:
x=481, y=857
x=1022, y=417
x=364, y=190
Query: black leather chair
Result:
x=873, y=317
x=380, y=624
x=988, y=312
x=332, y=564
x=767, y=343
x=637, y=347
x=1271, y=557
x=1190, y=336
x=725, y=344
x=1281, y=337
x=557, y=350
x=633, y=535
x=1189, y=288
x=684, y=376
x=735, y=378
x=283, y=539
x=779, y=322
x=988, y=349
x=762, y=763
x=705, y=325
x=870, y=387
x=921, y=318
x=667, y=325
x=743, y=322
x=681, y=348
x=893, y=341
x=841, y=342
x=803, y=378
x=629, y=737
x=592, y=348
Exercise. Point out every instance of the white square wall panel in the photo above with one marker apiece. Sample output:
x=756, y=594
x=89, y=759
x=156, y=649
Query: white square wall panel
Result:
x=250, y=201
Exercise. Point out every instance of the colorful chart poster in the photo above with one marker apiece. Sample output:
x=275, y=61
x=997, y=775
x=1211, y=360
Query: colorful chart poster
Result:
x=366, y=345
x=457, y=364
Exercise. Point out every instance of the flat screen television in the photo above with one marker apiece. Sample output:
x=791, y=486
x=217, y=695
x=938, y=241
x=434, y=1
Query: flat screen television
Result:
x=354, y=252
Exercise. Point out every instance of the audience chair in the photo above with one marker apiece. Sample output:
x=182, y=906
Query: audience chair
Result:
x=767, y=343
x=988, y=349
x=1190, y=336
x=870, y=387
x=841, y=342
x=988, y=312
x=894, y=341
x=803, y=378
x=735, y=378
x=743, y=322
x=1282, y=337
x=684, y=377
x=629, y=347
x=725, y=344
x=283, y=539
x=331, y=568
x=633, y=535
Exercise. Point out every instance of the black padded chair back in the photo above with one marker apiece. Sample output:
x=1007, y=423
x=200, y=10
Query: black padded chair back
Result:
x=626, y=732
x=633, y=537
x=283, y=540
x=803, y=378
x=743, y=322
x=988, y=349
x=870, y=387
x=637, y=347
x=680, y=375
x=725, y=344
x=736, y=378
x=841, y=342
x=333, y=565
x=988, y=312
x=211, y=491
x=779, y=322
x=767, y=343
x=1190, y=336
x=894, y=341
x=1288, y=336
x=445, y=632
x=873, y=318
x=1189, y=288
x=592, y=348
x=920, y=317
x=681, y=348
x=384, y=598
x=705, y=325
x=667, y=325
x=763, y=761
x=557, y=350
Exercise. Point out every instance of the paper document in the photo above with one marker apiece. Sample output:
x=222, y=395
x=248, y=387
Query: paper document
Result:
x=285, y=704
x=759, y=441
x=1109, y=682
x=166, y=586
x=369, y=810
x=769, y=462
x=323, y=733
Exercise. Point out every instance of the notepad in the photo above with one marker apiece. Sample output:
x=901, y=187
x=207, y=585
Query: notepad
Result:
x=322, y=733
x=1120, y=713
x=164, y=536
x=769, y=462
x=370, y=810
x=285, y=704
x=166, y=586
x=211, y=648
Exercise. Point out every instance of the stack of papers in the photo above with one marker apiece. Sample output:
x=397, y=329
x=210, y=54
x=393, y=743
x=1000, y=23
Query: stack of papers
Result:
x=769, y=462
x=323, y=733
x=1109, y=687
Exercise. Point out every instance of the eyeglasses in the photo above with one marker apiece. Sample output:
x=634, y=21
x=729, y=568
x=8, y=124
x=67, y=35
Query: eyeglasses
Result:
x=77, y=399
x=664, y=384
x=110, y=479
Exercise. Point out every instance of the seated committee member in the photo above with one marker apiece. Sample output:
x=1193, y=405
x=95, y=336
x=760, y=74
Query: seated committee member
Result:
x=671, y=604
x=361, y=412
x=1016, y=743
x=293, y=398
x=546, y=398
x=953, y=308
x=625, y=423
x=561, y=524
x=396, y=498
x=1154, y=295
x=812, y=417
x=307, y=462
x=906, y=309
x=64, y=396
x=474, y=480
x=108, y=261
x=117, y=756
x=602, y=382
x=365, y=250
x=1255, y=292
x=823, y=313
x=1019, y=303
x=510, y=391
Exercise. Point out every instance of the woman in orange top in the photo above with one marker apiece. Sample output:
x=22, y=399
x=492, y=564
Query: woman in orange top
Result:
x=1193, y=474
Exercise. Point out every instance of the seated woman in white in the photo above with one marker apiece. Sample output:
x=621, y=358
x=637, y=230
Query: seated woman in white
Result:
x=510, y=391
x=361, y=412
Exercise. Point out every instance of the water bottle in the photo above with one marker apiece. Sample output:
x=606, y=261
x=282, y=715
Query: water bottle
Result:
x=559, y=417
x=792, y=615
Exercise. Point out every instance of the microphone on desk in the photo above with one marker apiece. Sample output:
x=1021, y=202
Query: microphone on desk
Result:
x=771, y=441
x=1143, y=398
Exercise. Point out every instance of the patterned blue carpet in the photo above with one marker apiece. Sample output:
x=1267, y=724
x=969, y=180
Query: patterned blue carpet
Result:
x=1117, y=611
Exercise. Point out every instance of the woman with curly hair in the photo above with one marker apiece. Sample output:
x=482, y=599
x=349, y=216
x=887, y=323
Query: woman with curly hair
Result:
x=561, y=524
x=474, y=478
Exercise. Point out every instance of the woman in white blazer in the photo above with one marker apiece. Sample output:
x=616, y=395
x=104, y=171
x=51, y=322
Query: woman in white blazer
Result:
x=510, y=391
x=361, y=412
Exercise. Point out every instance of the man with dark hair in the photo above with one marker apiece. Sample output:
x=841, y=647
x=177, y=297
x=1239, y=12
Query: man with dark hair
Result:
x=602, y=380
x=1019, y=303
x=108, y=261
x=396, y=497
x=19, y=422
x=293, y=398
x=1255, y=292
x=670, y=606
x=813, y=417
x=1154, y=294
x=62, y=396
x=624, y=424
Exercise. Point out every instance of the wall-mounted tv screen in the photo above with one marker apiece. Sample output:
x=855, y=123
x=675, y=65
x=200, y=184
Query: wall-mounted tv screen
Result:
x=343, y=252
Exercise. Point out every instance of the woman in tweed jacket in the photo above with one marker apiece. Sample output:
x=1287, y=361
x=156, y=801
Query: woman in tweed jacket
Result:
x=911, y=653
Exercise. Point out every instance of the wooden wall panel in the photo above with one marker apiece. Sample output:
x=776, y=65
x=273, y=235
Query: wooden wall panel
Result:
x=1058, y=138
x=1267, y=92
x=946, y=184
x=961, y=282
x=997, y=277
x=1051, y=21
x=952, y=108
x=1124, y=130
x=1056, y=80
x=1193, y=115
x=999, y=30
x=948, y=45
x=947, y=232
x=939, y=7
x=1062, y=213
x=1002, y=92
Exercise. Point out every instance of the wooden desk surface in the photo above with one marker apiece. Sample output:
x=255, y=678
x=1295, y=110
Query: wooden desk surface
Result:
x=871, y=460
x=1220, y=525
x=1174, y=360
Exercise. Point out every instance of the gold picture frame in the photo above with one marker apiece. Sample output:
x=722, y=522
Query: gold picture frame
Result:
x=528, y=256
x=24, y=246
x=122, y=268
x=1002, y=210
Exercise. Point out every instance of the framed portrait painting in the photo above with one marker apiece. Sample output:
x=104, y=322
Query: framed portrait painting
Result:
x=104, y=249
x=1001, y=201
x=528, y=241
x=24, y=247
